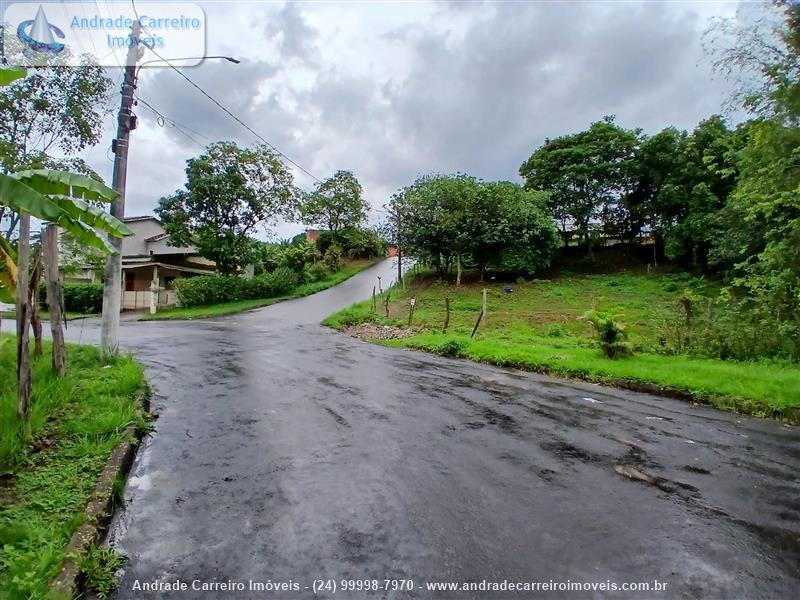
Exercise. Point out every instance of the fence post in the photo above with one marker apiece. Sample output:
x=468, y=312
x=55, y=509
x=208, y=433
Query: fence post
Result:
x=446, y=314
x=412, y=304
x=386, y=305
x=478, y=322
x=374, y=300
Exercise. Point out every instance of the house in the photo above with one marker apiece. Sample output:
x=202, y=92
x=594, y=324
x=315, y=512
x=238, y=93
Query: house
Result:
x=150, y=265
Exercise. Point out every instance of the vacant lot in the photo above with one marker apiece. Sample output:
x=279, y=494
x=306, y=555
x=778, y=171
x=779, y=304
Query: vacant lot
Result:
x=541, y=325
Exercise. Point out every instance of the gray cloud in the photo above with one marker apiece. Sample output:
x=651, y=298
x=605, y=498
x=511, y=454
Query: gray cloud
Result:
x=477, y=94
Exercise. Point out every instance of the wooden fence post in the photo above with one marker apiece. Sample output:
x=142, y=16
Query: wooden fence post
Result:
x=386, y=304
x=412, y=304
x=446, y=314
x=478, y=322
x=374, y=300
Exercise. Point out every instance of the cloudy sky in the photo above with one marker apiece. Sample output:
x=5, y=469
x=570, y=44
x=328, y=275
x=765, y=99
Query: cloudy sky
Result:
x=391, y=90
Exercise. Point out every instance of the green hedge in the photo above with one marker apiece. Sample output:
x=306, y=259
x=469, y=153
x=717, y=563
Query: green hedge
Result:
x=212, y=289
x=86, y=298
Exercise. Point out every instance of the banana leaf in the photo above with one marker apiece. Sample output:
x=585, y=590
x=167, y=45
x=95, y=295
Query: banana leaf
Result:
x=63, y=183
x=92, y=216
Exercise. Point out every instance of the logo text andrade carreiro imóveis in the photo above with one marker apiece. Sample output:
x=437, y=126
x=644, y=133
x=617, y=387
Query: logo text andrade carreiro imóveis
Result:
x=152, y=28
x=67, y=33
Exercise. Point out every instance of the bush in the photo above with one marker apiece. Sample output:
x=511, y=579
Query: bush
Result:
x=270, y=285
x=451, y=348
x=86, y=298
x=315, y=273
x=728, y=328
x=610, y=334
x=209, y=289
x=212, y=289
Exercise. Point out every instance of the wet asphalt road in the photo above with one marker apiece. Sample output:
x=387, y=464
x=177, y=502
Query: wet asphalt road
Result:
x=287, y=452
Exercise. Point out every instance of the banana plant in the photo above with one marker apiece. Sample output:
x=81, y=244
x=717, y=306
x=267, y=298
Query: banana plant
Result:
x=58, y=197
x=8, y=271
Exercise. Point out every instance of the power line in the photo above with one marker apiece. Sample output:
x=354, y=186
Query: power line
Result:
x=225, y=109
x=171, y=122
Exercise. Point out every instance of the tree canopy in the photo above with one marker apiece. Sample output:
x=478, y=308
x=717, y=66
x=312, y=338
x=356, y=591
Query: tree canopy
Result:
x=230, y=192
x=336, y=203
x=450, y=220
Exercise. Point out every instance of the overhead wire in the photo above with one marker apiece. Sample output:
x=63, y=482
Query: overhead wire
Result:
x=226, y=110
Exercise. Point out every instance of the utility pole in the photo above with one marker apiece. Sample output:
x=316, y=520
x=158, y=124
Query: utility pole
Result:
x=112, y=286
x=399, y=253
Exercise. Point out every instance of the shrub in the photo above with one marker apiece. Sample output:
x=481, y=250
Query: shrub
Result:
x=209, y=289
x=83, y=298
x=610, y=334
x=315, y=273
x=270, y=285
x=451, y=348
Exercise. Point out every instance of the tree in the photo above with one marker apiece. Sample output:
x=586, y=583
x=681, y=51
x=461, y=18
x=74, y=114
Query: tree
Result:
x=588, y=176
x=230, y=191
x=683, y=181
x=336, y=203
x=457, y=220
x=765, y=204
x=434, y=210
x=54, y=109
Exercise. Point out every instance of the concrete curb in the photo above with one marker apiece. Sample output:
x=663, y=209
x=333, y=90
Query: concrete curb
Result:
x=99, y=510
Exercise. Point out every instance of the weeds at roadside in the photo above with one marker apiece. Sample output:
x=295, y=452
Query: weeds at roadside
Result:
x=99, y=567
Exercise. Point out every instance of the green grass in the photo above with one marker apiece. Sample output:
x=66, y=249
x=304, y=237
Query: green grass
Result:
x=49, y=469
x=229, y=308
x=539, y=326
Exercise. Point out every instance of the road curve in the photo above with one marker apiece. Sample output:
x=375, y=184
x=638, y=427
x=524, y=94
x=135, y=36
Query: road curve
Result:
x=287, y=452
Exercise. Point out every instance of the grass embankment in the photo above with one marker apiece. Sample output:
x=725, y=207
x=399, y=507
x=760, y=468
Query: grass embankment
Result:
x=538, y=326
x=229, y=308
x=48, y=472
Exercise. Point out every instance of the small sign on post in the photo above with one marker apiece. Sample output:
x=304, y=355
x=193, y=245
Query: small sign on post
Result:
x=412, y=304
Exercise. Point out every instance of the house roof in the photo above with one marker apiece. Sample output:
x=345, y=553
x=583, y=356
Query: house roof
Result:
x=140, y=218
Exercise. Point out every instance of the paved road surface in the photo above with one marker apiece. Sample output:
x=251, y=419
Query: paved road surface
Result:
x=287, y=452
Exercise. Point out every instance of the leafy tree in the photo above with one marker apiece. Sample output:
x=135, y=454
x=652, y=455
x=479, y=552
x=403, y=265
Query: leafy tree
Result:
x=434, y=210
x=230, y=191
x=588, y=175
x=450, y=220
x=766, y=201
x=336, y=203
x=52, y=109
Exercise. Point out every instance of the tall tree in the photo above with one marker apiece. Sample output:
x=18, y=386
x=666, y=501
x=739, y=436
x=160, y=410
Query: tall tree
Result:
x=588, y=175
x=53, y=110
x=765, y=58
x=336, y=203
x=230, y=192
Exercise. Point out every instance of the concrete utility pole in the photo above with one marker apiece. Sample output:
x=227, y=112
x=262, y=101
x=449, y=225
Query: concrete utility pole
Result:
x=112, y=287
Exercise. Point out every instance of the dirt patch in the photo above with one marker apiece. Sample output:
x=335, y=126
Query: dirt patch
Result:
x=373, y=331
